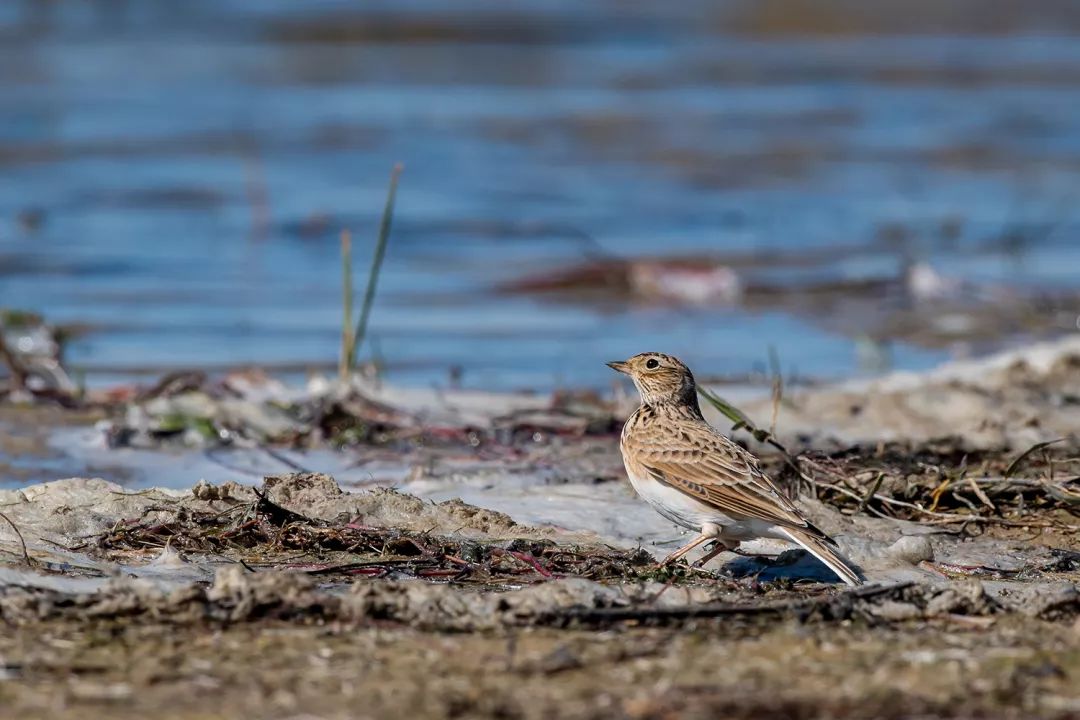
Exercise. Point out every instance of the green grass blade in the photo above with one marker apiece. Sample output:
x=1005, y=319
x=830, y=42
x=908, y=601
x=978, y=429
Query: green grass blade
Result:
x=726, y=409
x=376, y=263
x=1015, y=464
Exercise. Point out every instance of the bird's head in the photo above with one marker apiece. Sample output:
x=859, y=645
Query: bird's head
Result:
x=659, y=378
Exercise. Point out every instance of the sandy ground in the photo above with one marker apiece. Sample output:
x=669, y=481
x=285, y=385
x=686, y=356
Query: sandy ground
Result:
x=538, y=595
x=709, y=669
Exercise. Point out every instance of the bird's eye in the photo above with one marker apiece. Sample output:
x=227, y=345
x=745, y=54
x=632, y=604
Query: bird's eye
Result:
x=652, y=364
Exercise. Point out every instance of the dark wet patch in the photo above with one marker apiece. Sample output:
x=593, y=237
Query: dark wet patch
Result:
x=190, y=198
x=850, y=18
x=498, y=27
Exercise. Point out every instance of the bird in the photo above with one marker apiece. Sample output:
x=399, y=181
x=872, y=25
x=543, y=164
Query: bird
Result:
x=700, y=479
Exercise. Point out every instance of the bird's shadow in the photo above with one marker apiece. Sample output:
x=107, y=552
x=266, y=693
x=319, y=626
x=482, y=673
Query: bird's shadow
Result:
x=788, y=565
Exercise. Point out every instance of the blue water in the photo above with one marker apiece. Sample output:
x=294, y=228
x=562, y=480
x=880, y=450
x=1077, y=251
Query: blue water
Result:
x=194, y=162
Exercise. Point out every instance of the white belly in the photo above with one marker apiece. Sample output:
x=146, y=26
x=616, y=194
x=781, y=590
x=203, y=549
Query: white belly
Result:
x=684, y=510
x=676, y=506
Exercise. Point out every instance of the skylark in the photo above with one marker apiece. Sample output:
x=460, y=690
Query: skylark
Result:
x=700, y=479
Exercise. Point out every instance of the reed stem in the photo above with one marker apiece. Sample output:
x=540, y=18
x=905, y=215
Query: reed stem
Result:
x=345, y=362
x=376, y=265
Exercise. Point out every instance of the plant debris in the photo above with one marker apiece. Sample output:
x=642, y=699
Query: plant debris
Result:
x=260, y=533
x=939, y=483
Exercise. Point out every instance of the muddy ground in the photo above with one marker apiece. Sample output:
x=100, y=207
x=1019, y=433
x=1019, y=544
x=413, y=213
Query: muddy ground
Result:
x=539, y=595
x=955, y=667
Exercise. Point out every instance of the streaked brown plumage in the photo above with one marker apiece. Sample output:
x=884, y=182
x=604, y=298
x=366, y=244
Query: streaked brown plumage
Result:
x=698, y=478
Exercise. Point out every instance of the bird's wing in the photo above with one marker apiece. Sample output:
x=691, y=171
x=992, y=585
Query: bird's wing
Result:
x=709, y=467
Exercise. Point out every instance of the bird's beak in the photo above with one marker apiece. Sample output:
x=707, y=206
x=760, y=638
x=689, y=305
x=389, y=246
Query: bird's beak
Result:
x=619, y=367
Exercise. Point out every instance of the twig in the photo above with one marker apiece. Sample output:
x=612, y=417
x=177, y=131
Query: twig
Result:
x=277, y=514
x=345, y=362
x=531, y=561
x=777, y=387
x=1061, y=494
x=979, y=493
x=376, y=263
x=873, y=491
x=943, y=517
x=256, y=192
x=247, y=567
x=26, y=555
x=935, y=495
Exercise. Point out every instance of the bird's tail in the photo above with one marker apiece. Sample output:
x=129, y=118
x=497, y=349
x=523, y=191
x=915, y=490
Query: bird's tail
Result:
x=823, y=550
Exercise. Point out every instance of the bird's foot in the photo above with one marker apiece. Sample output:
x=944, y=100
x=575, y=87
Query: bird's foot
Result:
x=683, y=550
x=717, y=547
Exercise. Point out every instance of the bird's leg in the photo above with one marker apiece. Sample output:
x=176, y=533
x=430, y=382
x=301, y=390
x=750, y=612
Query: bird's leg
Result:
x=685, y=549
x=719, y=547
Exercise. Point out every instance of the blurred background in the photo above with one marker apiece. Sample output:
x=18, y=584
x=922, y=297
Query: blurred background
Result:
x=846, y=187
